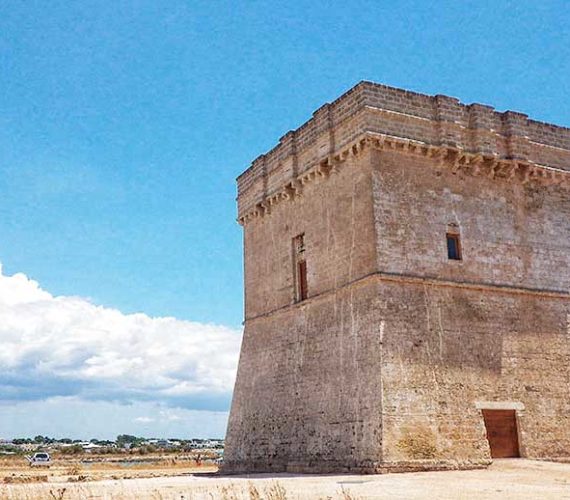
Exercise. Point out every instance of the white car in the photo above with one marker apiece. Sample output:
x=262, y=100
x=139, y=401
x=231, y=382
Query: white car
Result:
x=40, y=459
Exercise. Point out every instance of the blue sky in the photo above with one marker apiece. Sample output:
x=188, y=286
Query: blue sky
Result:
x=123, y=125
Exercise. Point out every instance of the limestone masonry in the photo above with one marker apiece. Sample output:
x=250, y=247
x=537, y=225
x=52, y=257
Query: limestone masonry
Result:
x=407, y=290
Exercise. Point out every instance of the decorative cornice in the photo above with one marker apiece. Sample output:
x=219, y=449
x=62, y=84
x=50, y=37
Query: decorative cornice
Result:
x=449, y=157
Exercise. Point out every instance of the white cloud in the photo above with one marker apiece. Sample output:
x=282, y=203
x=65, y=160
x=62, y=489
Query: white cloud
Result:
x=67, y=346
x=144, y=420
x=169, y=416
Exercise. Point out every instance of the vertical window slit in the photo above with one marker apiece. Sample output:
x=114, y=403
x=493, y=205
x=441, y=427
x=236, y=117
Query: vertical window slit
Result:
x=302, y=273
x=300, y=268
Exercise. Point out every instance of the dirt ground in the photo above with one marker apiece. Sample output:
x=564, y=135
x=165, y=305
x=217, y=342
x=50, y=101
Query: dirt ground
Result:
x=511, y=479
x=92, y=467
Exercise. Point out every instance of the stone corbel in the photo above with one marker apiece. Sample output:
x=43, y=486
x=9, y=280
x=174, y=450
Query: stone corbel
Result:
x=511, y=170
x=528, y=174
x=493, y=166
x=503, y=168
x=305, y=178
x=262, y=208
x=434, y=151
x=448, y=157
x=415, y=148
x=288, y=192
x=475, y=164
x=376, y=142
x=334, y=163
x=297, y=187
x=324, y=168
x=459, y=162
x=560, y=178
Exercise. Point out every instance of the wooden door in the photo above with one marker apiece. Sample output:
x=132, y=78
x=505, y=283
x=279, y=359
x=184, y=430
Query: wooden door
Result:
x=502, y=433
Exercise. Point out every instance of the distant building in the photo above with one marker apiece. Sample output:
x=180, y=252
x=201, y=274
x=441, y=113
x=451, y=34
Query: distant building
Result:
x=30, y=446
x=407, y=276
x=90, y=447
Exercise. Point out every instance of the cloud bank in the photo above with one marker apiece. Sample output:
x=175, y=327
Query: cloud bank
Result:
x=68, y=347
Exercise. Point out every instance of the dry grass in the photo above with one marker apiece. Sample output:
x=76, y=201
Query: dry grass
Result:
x=57, y=494
x=253, y=492
x=514, y=479
x=123, y=491
x=85, y=468
x=110, y=477
x=347, y=495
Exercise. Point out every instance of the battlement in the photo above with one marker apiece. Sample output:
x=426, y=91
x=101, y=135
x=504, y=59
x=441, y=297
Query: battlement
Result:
x=375, y=110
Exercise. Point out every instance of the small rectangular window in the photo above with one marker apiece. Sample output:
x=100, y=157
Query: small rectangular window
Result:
x=453, y=247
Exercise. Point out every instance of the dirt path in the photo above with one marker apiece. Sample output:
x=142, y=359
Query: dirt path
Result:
x=511, y=479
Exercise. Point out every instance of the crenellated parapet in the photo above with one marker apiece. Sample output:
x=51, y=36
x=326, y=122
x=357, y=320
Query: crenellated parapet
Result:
x=474, y=139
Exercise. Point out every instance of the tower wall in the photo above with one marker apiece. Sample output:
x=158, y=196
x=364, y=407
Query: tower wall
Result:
x=397, y=350
x=491, y=328
x=306, y=397
x=449, y=352
x=335, y=214
x=513, y=234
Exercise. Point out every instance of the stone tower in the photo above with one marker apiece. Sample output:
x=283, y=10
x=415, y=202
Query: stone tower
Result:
x=407, y=277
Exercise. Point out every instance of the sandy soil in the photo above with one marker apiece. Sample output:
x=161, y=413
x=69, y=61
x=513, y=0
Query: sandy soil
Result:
x=512, y=479
x=85, y=468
